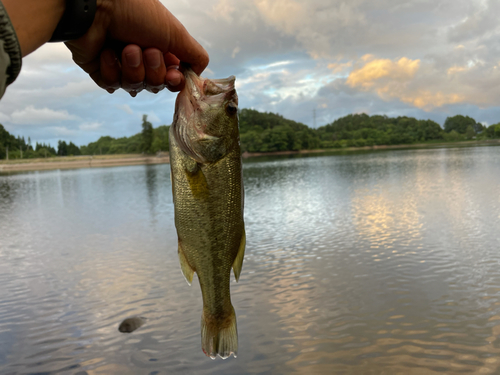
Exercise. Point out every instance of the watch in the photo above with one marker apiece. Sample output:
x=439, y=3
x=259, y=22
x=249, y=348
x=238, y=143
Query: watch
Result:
x=76, y=20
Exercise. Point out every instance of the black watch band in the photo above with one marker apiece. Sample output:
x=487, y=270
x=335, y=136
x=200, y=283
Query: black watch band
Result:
x=76, y=20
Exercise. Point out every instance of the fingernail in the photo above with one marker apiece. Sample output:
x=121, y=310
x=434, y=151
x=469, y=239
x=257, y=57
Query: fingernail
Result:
x=155, y=91
x=133, y=93
x=110, y=91
x=174, y=82
x=133, y=59
x=110, y=58
x=153, y=60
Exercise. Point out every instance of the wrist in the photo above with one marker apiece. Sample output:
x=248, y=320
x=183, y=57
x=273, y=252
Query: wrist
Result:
x=34, y=21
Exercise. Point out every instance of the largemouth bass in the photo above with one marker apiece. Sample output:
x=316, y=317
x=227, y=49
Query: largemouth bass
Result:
x=205, y=162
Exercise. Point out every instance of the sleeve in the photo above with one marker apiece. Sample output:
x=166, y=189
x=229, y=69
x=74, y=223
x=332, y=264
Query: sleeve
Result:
x=10, y=52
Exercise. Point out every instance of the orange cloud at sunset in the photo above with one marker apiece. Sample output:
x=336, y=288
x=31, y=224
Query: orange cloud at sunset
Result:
x=365, y=77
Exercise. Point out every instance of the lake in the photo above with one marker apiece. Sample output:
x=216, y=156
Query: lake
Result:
x=370, y=263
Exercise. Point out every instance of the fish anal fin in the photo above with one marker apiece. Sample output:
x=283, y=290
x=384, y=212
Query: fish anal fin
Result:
x=238, y=262
x=186, y=269
x=219, y=337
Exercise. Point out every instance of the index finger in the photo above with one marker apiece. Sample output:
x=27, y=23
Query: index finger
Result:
x=134, y=25
x=186, y=48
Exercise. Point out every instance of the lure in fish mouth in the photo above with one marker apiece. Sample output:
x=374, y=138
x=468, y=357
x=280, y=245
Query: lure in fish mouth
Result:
x=207, y=187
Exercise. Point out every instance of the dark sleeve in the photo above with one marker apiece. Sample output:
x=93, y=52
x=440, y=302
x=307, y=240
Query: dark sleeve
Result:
x=10, y=52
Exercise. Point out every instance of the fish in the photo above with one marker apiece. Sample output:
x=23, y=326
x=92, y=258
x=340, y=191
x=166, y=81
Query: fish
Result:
x=207, y=188
x=131, y=324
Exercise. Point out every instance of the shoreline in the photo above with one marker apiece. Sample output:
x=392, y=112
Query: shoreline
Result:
x=77, y=162
x=100, y=161
x=489, y=142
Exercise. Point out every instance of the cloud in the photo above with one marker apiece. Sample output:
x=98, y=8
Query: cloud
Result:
x=50, y=52
x=480, y=20
x=90, y=126
x=421, y=58
x=62, y=131
x=374, y=70
x=406, y=80
x=31, y=115
x=4, y=117
x=235, y=51
x=126, y=108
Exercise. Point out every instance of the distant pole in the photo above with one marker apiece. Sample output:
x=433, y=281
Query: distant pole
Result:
x=7, y=152
x=21, y=148
x=314, y=118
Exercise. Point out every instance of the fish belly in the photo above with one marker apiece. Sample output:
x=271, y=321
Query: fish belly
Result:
x=208, y=200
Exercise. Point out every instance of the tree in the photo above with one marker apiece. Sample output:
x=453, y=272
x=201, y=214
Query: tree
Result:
x=470, y=133
x=147, y=135
x=459, y=123
x=497, y=130
x=73, y=149
x=62, y=148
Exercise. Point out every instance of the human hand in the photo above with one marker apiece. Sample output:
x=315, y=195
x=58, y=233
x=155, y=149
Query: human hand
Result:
x=155, y=43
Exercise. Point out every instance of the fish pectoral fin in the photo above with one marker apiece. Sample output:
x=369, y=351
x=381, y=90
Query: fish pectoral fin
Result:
x=238, y=262
x=198, y=183
x=186, y=269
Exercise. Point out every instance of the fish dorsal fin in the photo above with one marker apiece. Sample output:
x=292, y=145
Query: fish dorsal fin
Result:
x=238, y=262
x=186, y=269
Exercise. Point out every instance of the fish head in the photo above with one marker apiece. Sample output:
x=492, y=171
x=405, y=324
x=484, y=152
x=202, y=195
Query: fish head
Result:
x=206, y=117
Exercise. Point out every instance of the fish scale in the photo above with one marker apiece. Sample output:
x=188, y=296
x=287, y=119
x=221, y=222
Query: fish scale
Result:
x=207, y=187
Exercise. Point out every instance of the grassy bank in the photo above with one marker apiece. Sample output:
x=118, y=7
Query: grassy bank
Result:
x=99, y=161
x=71, y=162
x=431, y=144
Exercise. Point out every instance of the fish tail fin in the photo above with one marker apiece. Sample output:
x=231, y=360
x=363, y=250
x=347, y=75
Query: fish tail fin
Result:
x=219, y=337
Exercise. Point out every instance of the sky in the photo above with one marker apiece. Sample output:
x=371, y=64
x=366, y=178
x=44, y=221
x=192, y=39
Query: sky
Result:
x=311, y=61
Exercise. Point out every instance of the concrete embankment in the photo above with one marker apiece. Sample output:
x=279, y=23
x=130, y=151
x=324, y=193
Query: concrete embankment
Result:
x=81, y=162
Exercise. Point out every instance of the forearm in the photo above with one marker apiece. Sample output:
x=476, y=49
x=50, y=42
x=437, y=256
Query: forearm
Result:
x=34, y=21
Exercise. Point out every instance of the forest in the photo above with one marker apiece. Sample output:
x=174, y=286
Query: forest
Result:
x=269, y=132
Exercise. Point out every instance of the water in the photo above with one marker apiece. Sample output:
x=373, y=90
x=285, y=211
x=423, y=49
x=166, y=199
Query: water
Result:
x=372, y=263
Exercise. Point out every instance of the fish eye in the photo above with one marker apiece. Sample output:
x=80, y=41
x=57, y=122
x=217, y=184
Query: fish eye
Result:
x=231, y=109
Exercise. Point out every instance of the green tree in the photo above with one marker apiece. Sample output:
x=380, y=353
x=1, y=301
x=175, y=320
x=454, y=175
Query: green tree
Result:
x=497, y=130
x=73, y=149
x=157, y=144
x=147, y=135
x=62, y=148
x=459, y=123
x=469, y=132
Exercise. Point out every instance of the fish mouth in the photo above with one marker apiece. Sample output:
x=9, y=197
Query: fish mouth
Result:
x=208, y=91
x=198, y=96
x=190, y=95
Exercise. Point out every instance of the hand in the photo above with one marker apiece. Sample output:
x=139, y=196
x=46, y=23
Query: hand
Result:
x=155, y=43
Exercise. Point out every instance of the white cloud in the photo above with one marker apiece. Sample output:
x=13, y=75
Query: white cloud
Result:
x=235, y=51
x=125, y=108
x=291, y=56
x=89, y=126
x=31, y=115
x=4, y=117
x=62, y=131
x=49, y=52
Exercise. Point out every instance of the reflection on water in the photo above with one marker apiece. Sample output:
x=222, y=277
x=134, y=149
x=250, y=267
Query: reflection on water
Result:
x=372, y=263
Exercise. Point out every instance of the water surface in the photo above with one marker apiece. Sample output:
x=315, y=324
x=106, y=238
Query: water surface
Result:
x=371, y=263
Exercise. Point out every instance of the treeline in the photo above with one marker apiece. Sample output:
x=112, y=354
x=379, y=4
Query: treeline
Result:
x=150, y=141
x=268, y=132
